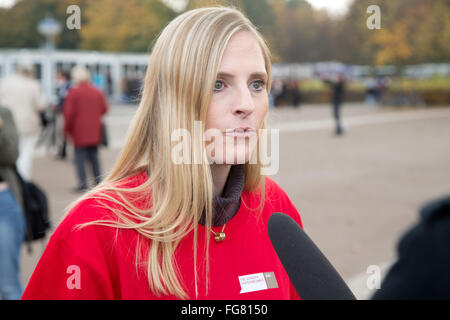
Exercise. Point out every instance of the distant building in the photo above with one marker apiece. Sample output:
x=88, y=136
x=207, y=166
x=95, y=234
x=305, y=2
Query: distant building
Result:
x=109, y=71
x=120, y=75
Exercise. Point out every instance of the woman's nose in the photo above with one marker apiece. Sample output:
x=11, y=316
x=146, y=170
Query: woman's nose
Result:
x=244, y=104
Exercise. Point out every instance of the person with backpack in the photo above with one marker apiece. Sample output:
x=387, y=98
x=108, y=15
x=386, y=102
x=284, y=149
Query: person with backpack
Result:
x=12, y=219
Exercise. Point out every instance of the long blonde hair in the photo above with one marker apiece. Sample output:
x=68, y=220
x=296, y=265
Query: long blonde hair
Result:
x=178, y=86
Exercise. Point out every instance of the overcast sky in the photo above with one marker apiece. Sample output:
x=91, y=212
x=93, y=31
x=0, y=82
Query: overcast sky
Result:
x=6, y=3
x=334, y=7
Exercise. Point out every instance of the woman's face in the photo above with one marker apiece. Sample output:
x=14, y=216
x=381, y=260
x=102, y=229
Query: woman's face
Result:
x=239, y=102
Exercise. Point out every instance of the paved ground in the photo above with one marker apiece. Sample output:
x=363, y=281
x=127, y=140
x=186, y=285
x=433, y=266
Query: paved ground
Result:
x=357, y=193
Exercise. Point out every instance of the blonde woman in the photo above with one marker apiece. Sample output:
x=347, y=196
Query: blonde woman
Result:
x=157, y=228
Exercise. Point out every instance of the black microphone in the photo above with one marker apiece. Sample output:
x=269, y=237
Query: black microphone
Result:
x=311, y=274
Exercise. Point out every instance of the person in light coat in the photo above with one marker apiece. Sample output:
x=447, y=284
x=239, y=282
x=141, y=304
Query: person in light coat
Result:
x=21, y=94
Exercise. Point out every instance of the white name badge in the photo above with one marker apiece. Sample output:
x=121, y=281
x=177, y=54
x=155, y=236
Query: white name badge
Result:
x=257, y=282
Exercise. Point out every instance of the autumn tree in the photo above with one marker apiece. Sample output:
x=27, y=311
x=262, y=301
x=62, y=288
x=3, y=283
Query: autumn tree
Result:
x=412, y=31
x=301, y=34
x=124, y=25
x=431, y=39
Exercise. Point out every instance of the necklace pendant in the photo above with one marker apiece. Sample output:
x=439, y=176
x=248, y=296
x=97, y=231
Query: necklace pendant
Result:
x=219, y=237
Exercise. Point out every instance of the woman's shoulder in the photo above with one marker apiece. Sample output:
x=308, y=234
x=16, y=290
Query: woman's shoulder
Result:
x=88, y=253
x=80, y=220
x=277, y=200
x=95, y=213
x=274, y=191
x=271, y=185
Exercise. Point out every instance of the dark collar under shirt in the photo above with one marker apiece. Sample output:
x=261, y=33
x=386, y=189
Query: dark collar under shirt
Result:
x=227, y=205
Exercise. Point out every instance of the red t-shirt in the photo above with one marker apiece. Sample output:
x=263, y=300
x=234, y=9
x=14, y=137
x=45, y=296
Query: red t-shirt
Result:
x=98, y=262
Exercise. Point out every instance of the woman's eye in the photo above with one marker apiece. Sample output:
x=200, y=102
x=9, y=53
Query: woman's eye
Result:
x=258, y=85
x=218, y=85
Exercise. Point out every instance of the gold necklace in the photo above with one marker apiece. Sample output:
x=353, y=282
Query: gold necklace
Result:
x=219, y=236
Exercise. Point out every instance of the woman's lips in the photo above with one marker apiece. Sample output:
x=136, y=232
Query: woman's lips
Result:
x=242, y=132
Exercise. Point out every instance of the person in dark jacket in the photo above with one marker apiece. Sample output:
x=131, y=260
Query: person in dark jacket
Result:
x=12, y=219
x=422, y=270
x=338, y=88
x=84, y=108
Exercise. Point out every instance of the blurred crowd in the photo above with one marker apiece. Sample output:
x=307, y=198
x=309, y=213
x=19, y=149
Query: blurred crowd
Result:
x=375, y=89
x=285, y=93
x=25, y=120
x=74, y=118
x=131, y=86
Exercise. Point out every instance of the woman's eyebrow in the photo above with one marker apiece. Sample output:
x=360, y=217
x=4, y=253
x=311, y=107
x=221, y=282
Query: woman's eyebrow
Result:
x=231, y=76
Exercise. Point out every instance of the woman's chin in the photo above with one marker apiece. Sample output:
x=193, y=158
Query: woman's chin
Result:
x=231, y=159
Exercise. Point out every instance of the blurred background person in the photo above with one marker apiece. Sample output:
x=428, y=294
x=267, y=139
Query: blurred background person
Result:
x=99, y=81
x=382, y=86
x=280, y=91
x=131, y=86
x=337, y=86
x=295, y=94
x=12, y=220
x=84, y=108
x=21, y=93
x=63, y=79
x=370, y=91
x=276, y=89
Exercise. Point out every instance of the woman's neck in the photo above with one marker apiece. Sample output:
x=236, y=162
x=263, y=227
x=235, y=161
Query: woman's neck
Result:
x=219, y=173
